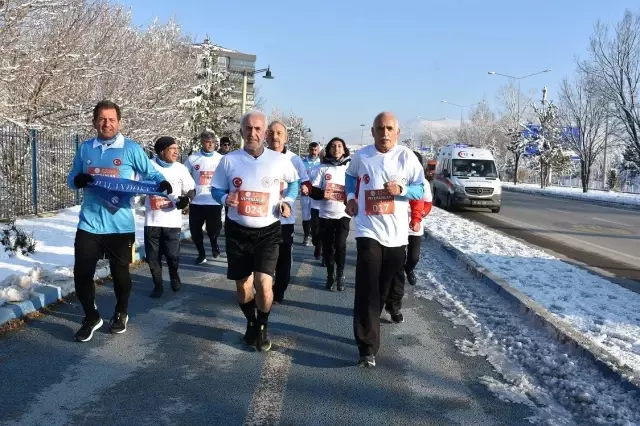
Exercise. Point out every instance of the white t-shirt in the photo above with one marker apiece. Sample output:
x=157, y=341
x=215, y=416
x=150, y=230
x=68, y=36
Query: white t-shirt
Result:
x=427, y=198
x=202, y=169
x=302, y=175
x=160, y=211
x=258, y=182
x=381, y=216
x=314, y=204
x=332, y=180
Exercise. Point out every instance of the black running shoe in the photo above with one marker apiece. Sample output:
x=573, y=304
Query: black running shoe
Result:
x=397, y=317
x=251, y=335
x=156, y=293
x=118, y=323
x=88, y=328
x=411, y=277
x=176, y=285
x=368, y=361
x=263, y=343
x=201, y=259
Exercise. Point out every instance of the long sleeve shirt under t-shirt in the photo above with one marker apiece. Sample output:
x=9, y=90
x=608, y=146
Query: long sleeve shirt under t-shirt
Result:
x=161, y=211
x=382, y=216
x=257, y=182
x=121, y=158
x=302, y=175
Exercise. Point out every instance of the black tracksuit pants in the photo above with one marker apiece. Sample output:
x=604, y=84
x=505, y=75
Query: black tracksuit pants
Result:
x=158, y=242
x=199, y=214
x=283, y=268
x=413, y=253
x=334, y=233
x=377, y=267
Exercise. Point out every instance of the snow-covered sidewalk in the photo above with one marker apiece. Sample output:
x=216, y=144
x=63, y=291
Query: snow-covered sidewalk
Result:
x=606, y=314
x=609, y=197
x=52, y=263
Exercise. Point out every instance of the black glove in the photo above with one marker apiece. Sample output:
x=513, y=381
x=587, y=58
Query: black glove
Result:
x=182, y=203
x=165, y=186
x=82, y=180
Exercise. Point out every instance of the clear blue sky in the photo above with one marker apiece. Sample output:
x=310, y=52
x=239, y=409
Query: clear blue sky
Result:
x=339, y=63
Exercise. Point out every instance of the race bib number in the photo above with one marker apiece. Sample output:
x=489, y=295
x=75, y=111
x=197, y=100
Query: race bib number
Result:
x=103, y=171
x=378, y=202
x=253, y=204
x=159, y=203
x=334, y=192
x=205, y=178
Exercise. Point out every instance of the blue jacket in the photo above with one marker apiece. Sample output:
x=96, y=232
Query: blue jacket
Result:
x=124, y=158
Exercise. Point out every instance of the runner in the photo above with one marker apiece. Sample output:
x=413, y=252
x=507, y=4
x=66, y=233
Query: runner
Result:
x=204, y=209
x=104, y=229
x=311, y=161
x=225, y=145
x=328, y=188
x=316, y=237
x=248, y=181
x=163, y=218
x=418, y=210
x=276, y=141
x=389, y=175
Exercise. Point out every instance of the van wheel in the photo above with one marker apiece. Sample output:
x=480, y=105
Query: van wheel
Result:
x=495, y=210
x=436, y=199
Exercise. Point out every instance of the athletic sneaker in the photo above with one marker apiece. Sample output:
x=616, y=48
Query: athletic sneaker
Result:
x=118, y=323
x=88, y=327
x=397, y=317
x=368, y=361
x=263, y=343
x=411, y=277
x=251, y=335
x=306, y=241
x=201, y=259
x=176, y=284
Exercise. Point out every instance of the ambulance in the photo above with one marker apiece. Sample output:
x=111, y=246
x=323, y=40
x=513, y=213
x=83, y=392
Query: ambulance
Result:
x=466, y=176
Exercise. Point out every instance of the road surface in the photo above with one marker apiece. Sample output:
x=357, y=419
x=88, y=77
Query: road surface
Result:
x=606, y=239
x=181, y=362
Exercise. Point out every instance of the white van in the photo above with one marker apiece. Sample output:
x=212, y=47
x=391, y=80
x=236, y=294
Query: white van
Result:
x=466, y=177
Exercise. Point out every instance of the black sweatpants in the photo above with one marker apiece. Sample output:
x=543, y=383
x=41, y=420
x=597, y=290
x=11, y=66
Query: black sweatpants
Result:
x=377, y=267
x=199, y=214
x=89, y=248
x=158, y=242
x=283, y=268
x=316, y=238
x=334, y=241
x=413, y=253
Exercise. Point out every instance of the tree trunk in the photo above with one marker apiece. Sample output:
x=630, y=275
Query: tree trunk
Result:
x=584, y=177
x=515, y=168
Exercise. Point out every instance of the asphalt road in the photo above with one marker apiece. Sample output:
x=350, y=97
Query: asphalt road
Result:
x=606, y=239
x=181, y=362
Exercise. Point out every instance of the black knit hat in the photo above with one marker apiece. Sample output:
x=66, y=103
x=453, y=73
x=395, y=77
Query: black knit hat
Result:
x=163, y=142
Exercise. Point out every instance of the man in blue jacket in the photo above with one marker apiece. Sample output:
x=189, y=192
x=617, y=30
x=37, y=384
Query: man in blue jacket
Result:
x=105, y=229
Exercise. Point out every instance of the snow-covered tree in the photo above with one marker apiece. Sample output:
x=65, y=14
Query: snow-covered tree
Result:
x=212, y=105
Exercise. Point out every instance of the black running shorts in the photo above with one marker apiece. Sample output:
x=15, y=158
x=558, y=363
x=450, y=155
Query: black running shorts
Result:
x=251, y=250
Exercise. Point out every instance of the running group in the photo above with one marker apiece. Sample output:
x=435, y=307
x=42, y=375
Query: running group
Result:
x=381, y=187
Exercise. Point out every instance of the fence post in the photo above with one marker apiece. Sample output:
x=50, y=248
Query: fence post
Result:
x=76, y=139
x=34, y=169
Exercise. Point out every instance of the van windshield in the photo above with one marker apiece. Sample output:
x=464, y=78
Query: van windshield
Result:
x=479, y=168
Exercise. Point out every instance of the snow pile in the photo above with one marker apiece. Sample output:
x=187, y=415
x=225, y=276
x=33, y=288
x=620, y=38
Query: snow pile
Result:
x=52, y=263
x=611, y=197
x=561, y=388
x=607, y=314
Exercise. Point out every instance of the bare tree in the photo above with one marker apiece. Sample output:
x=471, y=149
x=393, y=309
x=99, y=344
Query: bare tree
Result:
x=583, y=115
x=615, y=66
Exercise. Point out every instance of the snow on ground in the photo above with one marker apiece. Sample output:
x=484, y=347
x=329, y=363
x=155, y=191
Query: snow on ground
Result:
x=607, y=314
x=53, y=260
x=560, y=387
x=612, y=197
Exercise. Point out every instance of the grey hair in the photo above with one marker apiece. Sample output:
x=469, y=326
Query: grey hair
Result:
x=248, y=114
x=286, y=131
x=382, y=114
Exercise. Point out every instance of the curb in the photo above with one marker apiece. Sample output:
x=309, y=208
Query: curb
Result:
x=569, y=197
x=48, y=294
x=541, y=317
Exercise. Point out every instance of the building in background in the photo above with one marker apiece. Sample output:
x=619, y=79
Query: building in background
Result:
x=234, y=63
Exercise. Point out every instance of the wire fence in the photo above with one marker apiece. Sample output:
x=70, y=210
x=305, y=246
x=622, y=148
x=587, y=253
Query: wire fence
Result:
x=33, y=170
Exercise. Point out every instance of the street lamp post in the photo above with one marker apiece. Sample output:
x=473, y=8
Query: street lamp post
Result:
x=245, y=78
x=362, y=134
x=462, y=107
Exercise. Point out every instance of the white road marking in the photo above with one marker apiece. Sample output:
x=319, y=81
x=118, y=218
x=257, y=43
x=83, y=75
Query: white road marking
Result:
x=611, y=221
x=559, y=211
x=266, y=404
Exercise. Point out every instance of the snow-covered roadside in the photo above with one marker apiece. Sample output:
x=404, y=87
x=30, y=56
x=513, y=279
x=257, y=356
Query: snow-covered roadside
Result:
x=611, y=197
x=53, y=261
x=605, y=313
x=560, y=387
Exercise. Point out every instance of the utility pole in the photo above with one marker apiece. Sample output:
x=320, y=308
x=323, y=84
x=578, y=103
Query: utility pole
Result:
x=362, y=134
